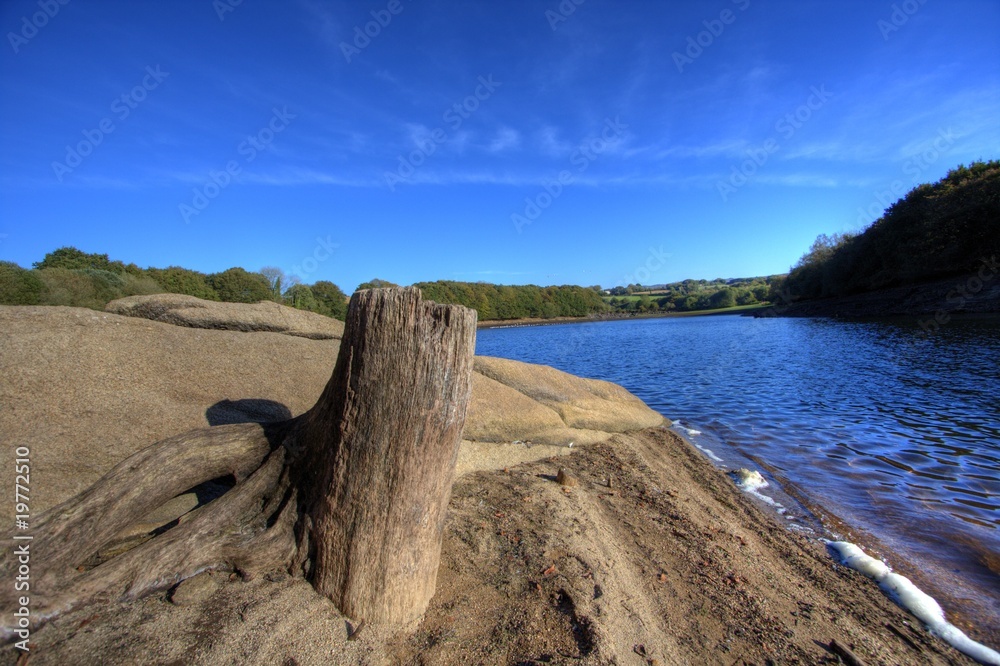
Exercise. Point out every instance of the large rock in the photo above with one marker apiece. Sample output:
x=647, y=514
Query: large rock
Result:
x=586, y=404
x=507, y=424
x=256, y=317
x=83, y=390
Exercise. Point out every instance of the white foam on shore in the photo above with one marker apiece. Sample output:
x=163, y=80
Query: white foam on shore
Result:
x=709, y=453
x=748, y=479
x=690, y=432
x=902, y=590
x=751, y=481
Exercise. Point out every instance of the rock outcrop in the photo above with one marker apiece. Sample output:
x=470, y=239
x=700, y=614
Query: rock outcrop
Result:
x=84, y=390
x=264, y=316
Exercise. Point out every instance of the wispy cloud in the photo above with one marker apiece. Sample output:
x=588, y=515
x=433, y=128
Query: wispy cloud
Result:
x=550, y=144
x=797, y=180
x=323, y=22
x=505, y=139
x=722, y=148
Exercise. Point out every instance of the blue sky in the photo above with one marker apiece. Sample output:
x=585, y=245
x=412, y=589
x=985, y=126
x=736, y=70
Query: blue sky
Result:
x=511, y=142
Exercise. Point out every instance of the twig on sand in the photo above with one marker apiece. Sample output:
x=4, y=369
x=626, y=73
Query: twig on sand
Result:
x=906, y=639
x=357, y=630
x=845, y=653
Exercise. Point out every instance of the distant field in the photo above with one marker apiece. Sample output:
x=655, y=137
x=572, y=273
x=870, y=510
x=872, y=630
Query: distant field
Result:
x=738, y=308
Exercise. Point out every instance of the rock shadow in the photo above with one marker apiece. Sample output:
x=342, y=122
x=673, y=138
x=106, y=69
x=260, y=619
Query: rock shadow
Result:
x=247, y=410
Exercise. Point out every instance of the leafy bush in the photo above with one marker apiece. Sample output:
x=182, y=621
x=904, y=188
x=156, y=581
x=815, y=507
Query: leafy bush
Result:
x=376, y=284
x=331, y=300
x=92, y=288
x=236, y=285
x=301, y=297
x=19, y=286
x=724, y=298
x=74, y=259
x=177, y=280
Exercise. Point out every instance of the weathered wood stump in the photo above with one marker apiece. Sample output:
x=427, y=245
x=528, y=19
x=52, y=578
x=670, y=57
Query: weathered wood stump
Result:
x=383, y=441
x=352, y=494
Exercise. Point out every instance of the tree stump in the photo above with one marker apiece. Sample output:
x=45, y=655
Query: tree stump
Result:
x=385, y=455
x=351, y=494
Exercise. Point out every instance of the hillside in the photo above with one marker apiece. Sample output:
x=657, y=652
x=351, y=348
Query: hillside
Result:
x=945, y=234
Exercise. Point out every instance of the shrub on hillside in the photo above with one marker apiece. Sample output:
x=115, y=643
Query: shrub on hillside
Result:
x=301, y=297
x=331, y=300
x=92, y=288
x=236, y=285
x=19, y=286
x=74, y=259
x=177, y=280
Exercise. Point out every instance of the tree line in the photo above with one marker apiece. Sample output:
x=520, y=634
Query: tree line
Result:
x=69, y=276
x=935, y=231
x=492, y=301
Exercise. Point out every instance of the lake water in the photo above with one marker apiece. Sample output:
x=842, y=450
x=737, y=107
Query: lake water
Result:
x=895, y=433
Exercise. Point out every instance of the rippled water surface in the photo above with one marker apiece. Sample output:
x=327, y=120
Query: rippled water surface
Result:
x=896, y=433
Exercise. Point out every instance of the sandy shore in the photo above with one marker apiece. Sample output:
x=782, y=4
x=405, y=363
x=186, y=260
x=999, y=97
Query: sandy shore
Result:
x=652, y=557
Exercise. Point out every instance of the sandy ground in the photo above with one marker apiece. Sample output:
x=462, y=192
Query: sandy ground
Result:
x=652, y=557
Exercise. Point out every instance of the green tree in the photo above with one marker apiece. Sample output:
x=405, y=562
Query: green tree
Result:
x=177, y=280
x=236, y=285
x=301, y=297
x=19, y=286
x=92, y=288
x=724, y=298
x=277, y=281
x=376, y=284
x=72, y=258
x=331, y=300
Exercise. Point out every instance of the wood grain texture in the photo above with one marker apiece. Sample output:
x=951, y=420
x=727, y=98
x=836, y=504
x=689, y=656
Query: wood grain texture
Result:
x=383, y=443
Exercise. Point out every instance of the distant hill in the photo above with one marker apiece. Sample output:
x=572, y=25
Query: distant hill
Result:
x=693, y=295
x=947, y=229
